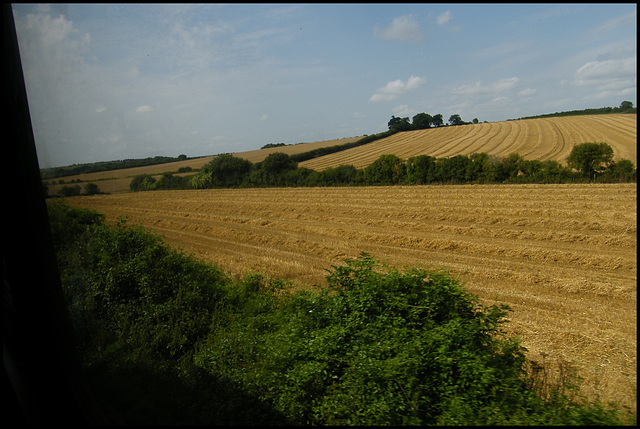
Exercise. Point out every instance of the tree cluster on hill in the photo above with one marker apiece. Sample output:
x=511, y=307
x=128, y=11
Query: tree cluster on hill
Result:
x=423, y=121
x=167, y=339
x=270, y=145
x=587, y=162
x=625, y=107
x=70, y=191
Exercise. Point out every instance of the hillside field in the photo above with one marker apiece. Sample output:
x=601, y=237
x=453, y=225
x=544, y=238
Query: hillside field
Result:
x=118, y=180
x=534, y=139
x=563, y=257
x=539, y=138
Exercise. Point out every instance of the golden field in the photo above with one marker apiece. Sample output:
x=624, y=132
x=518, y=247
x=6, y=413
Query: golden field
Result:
x=118, y=180
x=542, y=139
x=563, y=257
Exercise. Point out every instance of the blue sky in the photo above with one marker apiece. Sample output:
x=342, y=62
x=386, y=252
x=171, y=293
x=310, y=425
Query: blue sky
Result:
x=116, y=81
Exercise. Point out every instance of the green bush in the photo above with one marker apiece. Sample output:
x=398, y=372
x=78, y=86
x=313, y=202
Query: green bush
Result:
x=167, y=339
x=142, y=182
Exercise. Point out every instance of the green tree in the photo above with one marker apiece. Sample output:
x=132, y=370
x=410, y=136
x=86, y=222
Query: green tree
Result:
x=69, y=191
x=272, y=171
x=225, y=170
x=399, y=124
x=386, y=170
x=437, y=120
x=142, y=182
x=590, y=159
x=420, y=169
x=626, y=105
x=509, y=167
x=456, y=120
x=422, y=121
x=91, y=189
x=623, y=171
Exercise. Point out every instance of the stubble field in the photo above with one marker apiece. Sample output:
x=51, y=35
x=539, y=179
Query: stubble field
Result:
x=563, y=257
x=538, y=138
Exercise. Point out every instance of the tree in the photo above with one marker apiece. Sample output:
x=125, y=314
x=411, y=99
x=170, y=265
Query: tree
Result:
x=590, y=159
x=69, y=191
x=510, y=167
x=422, y=121
x=142, y=182
x=456, y=120
x=225, y=170
x=437, y=120
x=420, y=169
x=399, y=124
x=625, y=105
x=91, y=189
x=386, y=170
x=272, y=171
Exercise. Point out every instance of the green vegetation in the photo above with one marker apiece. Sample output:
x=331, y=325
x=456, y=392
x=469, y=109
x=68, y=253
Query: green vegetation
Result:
x=591, y=159
x=270, y=145
x=70, y=191
x=72, y=170
x=625, y=107
x=587, y=162
x=167, y=339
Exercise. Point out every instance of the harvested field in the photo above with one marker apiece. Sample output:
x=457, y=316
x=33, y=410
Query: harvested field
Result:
x=563, y=257
x=541, y=139
x=118, y=180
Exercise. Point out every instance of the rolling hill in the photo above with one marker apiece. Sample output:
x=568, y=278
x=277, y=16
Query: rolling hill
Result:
x=538, y=138
x=541, y=138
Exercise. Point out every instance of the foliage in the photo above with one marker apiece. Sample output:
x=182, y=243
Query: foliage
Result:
x=386, y=170
x=280, y=169
x=399, y=124
x=315, y=153
x=625, y=107
x=69, y=191
x=270, y=145
x=142, y=182
x=590, y=159
x=166, y=339
x=72, y=170
x=91, y=189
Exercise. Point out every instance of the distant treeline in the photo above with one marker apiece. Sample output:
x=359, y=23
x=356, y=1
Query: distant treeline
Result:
x=396, y=124
x=72, y=170
x=589, y=162
x=625, y=107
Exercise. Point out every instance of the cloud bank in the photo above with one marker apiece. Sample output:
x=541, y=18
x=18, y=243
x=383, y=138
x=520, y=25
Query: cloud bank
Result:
x=396, y=88
x=402, y=28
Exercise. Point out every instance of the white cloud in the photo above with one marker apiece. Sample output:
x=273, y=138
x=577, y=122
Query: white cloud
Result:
x=264, y=117
x=608, y=77
x=527, y=91
x=402, y=28
x=492, y=88
x=595, y=70
x=444, y=18
x=397, y=87
x=144, y=109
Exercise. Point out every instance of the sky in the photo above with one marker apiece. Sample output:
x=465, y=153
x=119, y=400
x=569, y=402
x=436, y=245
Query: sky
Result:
x=118, y=81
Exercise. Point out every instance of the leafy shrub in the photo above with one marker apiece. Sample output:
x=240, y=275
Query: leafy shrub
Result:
x=142, y=182
x=168, y=339
x=69, y=191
